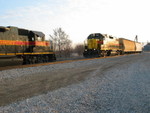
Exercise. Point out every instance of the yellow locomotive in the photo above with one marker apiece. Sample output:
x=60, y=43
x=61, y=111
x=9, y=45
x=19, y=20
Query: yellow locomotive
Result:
x=104, y=45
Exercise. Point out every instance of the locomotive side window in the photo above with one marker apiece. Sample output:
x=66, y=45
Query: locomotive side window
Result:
x=110, y=37
x=39, y=38
x=33, y=39
x=23, y=32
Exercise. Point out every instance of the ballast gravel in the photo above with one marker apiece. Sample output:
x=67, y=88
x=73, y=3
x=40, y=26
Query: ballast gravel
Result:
x=120, y=88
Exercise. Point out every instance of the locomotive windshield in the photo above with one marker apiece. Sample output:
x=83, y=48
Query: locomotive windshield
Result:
x=95, y=36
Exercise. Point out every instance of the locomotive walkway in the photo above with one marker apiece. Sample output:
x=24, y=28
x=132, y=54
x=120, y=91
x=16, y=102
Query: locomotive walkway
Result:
x=118, y=84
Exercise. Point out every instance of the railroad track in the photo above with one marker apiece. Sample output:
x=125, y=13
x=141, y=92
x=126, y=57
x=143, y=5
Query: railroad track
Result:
x=50, y=63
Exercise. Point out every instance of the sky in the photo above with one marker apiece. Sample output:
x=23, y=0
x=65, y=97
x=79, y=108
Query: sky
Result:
x=79, y=18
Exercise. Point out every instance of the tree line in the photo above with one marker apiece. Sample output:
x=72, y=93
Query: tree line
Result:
x=62, y=44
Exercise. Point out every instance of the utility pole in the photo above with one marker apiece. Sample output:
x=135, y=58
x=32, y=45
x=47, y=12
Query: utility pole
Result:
x=136, y=38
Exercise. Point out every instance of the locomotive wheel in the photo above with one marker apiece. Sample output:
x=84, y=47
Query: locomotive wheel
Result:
x=103, y=54
x=30, y=60
x=33, y=59
x=108, y=53
x=50, y=58
x=26, y=60
x=121, y=53
x=46, y=58
x=40, y=59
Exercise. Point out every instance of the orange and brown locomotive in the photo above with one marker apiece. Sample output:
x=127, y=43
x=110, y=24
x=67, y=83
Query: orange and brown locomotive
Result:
x=29, y=45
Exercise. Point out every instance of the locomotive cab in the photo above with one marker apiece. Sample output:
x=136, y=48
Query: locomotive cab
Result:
x=93, y=47
x=95, y=41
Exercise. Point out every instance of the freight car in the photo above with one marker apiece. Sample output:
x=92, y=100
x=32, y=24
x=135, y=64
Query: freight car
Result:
x=128, y=46
x=29, y=45
x=105, y=45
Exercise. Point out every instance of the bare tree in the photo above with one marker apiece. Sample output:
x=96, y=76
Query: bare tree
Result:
x=79, y=48
x=61, y=42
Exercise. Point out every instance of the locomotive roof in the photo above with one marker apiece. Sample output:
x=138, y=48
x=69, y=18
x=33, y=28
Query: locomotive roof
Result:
x=2, y=27
x=40, y=34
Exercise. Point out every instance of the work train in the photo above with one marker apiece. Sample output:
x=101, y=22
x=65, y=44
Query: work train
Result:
x=99, y=45
x=29, y=45
x=32, y=47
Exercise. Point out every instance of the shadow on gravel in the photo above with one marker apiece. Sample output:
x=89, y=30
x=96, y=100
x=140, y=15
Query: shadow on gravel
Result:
x=12, y=90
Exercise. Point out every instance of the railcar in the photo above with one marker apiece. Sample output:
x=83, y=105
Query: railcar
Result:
x=29, y=45
x=128, y=46
x=105, y=45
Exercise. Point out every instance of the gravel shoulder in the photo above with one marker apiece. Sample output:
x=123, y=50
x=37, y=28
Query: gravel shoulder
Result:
x=117, y=85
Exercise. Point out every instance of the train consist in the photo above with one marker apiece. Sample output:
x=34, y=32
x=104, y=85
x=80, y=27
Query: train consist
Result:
x=29, y=45
x=105, y=45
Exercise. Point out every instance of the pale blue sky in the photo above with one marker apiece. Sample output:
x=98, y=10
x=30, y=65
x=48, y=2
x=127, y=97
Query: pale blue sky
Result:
x=79, y=18
x=7, y=5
